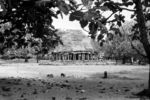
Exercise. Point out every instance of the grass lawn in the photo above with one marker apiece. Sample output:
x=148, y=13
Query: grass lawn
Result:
x=29, y=81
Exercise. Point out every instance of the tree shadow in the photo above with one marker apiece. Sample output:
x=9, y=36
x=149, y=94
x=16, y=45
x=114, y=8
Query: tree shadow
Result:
x=144, y=94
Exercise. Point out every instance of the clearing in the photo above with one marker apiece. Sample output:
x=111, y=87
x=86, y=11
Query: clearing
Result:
x=29, y=81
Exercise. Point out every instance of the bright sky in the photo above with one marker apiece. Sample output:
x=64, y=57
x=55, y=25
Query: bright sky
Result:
x=66, y=24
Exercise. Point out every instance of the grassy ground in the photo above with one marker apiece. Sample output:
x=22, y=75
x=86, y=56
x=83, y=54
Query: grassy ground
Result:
x=29, y=81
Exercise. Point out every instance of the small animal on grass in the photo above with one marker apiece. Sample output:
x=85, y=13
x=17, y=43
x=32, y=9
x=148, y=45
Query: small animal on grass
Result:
x=50, y=75
x=53, y=98
x=68, y=98
x=6, y=89
x=62, y=75
x=84, y=98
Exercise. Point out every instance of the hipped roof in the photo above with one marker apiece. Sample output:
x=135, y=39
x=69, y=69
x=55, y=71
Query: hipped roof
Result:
x=75, y=40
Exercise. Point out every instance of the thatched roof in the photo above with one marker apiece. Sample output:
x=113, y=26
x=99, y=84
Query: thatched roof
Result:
x=75, y=40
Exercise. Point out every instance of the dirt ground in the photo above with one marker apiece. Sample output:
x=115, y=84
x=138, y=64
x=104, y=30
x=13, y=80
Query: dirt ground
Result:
x=31, y=81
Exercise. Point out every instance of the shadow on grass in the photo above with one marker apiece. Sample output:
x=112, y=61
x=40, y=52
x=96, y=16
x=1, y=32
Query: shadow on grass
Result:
x=144, y=93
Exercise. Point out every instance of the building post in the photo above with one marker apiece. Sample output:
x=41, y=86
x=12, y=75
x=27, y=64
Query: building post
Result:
x=88, y=56
x=74, y=57
x=56, y=56
x=92, y=56
x=68, y=57
x=59, y=56
x=63, y=56
x=80, y=56
x=83, y=56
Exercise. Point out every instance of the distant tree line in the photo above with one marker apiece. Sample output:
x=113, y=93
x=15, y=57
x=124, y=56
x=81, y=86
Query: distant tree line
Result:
x=121, y=47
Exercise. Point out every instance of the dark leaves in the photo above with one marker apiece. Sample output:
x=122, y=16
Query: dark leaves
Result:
x=101, y=44
x=125, y=1
x=83, y=23
x=100, y=37
x=3, y=9
x=129, y=4
x=73, y=2
x=30, y=17
x=93, y=27
x=63, y=7
x=111, y=6
x=119, y=23
x=103, y=8
x=148, y=16
x=110, y=36
x=77, y=15
x=29, y=3
x=119, y=18
x=116, y=31
x=2, y=39
x=85, y=2
x=136, y=35
x=132, y=16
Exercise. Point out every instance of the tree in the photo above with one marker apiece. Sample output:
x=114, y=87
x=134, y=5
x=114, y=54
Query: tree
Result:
x=30, y=20
x=91, y=15
x=116, y=48
x=32, y=17
x=138, y=49
x=120, y=48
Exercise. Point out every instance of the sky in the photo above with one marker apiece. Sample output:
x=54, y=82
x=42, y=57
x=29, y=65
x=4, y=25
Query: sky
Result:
x=65, y=24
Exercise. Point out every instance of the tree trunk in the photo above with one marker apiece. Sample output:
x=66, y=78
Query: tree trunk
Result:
x=37, y=58
x=123, y=60
x=116, y=60
x=143, y=31
x=131, y=60
x=26, y=59
x=149, y=76
x=9, y=3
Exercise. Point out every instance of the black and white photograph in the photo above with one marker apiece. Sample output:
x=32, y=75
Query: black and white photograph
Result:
x=74, y=49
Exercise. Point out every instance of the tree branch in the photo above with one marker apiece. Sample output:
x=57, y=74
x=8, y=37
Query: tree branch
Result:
x=127, y=9
x=110, y=16
x=111, y=21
